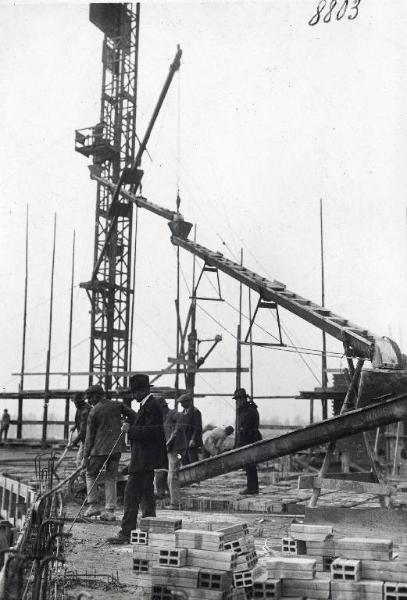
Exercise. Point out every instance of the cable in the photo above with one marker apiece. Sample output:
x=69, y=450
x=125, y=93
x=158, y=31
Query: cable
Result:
x=95, y=481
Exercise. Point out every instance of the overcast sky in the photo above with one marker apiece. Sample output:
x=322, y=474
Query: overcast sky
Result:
x=274, y=115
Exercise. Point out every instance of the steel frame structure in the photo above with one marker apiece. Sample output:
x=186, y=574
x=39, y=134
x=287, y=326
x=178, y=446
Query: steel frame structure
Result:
x=112, y=143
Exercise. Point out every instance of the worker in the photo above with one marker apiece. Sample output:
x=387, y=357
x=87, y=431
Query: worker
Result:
x=103, y=446
x=161, y=475
x=177, y=445
x=81, y=421
x=192, y=422
x=4, y=424
x=214, y=440
x=247, y=433
x=148, y=452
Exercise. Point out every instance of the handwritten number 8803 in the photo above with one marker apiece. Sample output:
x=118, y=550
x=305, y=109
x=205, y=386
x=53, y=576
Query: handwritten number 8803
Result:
x=352, y=5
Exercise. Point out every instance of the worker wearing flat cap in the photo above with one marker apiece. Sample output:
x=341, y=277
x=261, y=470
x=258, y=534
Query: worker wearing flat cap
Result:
x=148, y=452
x=81, y=422
x=103, y=444
x=247, y=433
x=192, y=420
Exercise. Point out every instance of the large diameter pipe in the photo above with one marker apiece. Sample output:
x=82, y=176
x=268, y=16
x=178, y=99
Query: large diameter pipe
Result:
x=350, y=423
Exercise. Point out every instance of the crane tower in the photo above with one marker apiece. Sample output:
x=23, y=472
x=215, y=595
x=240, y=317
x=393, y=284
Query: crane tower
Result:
x=111, y=144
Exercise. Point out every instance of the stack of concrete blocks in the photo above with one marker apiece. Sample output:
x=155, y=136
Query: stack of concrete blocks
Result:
x=357, y=568
x=172, y=562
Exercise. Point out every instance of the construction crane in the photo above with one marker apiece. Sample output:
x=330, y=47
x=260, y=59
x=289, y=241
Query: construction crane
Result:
x=116, y=167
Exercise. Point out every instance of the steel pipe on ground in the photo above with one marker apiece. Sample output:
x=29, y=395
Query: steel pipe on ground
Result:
x=350, y=423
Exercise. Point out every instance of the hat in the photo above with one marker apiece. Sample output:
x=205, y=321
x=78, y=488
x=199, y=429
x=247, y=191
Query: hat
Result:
x=96, y=389
x=139, y=381
x=187, y=396
x=240, y=392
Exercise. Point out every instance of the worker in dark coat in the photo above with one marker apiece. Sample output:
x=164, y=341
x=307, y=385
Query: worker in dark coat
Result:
x=103, y=446
x=81, y=422
x=148, y=452
x=177, y=445
x=192, y=421
x=247, y=433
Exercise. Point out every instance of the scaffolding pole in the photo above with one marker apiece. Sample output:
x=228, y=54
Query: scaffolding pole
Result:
x=20, y=399
x=47, y=370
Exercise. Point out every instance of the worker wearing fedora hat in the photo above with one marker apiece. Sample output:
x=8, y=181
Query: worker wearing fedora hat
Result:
x=148, y=452
x=247, y=433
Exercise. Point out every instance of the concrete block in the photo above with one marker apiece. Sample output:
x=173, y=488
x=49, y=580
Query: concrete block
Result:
x=141, y=565
x=345, y=570
x=201, y=594
x=267, y=589
x=246, y=562
x=291, y=546
x=173, y=557
x=247, y=578
x=200, y=540
x=356, y=590
x=163, y=540
x=138, y=537
x=385, y=570
x=364, y=548
x=175, y=576
x=310, y=533
x=395, y=591
x=317, y=588
x=145, y=552
x=204, y=558
x=233, y=532
x=240, y=545
x=325, y=548
x=291, y=567
x=159, y=524
x=214, y=579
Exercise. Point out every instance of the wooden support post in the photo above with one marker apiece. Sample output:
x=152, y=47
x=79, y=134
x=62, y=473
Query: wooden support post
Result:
x=66, y=424
x=323, y=354
x=21, y=386
x=251, y=346
x=48, y=364
x=396, y=448
x=311, y=411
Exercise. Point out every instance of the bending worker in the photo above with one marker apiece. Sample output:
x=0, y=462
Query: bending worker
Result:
x=247, y=433
x=103, y=445
x=214, y=439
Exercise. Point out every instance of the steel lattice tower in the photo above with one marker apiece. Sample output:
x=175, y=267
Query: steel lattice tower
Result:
x=111, y=143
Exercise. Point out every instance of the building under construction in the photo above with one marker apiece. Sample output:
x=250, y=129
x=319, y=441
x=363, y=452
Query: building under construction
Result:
x=331, y=519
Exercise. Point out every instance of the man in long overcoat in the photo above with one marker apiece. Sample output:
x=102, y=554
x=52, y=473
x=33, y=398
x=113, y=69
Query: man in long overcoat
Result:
x=247, y=433
x=148, y=452
x=192, y=420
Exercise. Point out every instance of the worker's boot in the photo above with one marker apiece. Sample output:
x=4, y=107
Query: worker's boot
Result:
x=120, y=538
x=108, y=515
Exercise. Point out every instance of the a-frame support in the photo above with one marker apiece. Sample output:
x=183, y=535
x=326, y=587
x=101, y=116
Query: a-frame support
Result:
x=372, y=482
x=270, y=305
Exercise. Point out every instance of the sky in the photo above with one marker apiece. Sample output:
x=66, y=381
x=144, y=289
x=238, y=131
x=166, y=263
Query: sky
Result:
x=267, y=116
